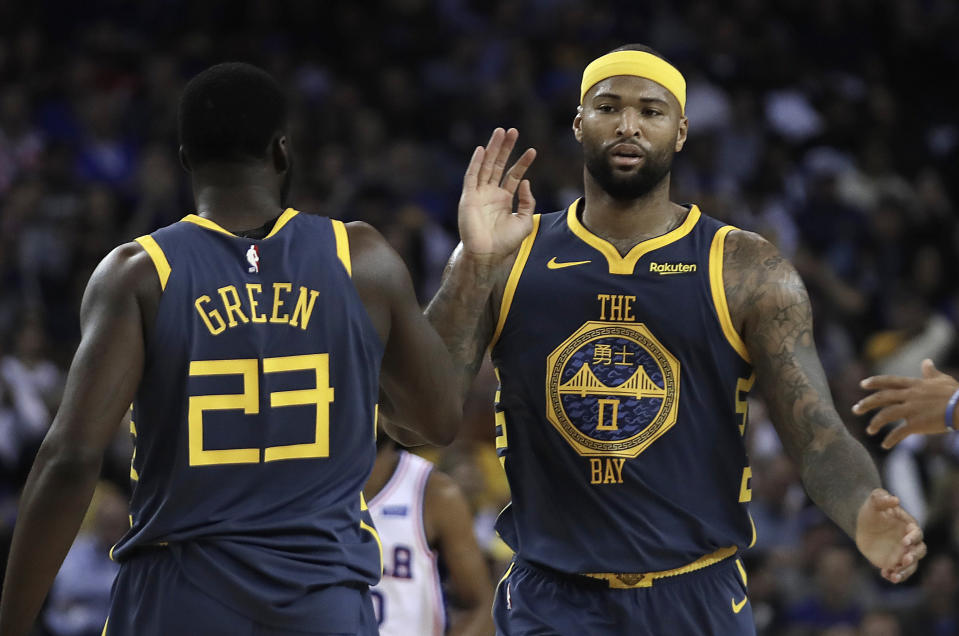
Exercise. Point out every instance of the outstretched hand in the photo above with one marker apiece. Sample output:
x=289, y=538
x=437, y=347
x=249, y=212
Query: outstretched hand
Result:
x=921, y=402
x=889, y=536
x=489, y=229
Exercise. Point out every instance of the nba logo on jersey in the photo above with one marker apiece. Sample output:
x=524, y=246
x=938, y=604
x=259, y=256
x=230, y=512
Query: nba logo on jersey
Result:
x=253, y=258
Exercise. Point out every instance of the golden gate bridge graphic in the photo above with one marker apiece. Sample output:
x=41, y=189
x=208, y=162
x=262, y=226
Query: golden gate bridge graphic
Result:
x=639, y=385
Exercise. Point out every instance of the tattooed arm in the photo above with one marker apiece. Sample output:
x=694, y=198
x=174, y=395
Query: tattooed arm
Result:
x=462, y=311
x=770, y=308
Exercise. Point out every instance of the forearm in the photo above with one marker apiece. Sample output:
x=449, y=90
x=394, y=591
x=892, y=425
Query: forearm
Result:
x=54, y=501
x=838, y=474
x=459, y=313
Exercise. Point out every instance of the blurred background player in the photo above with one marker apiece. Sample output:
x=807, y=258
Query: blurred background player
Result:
x=253, y=392
x=426, y=528
x=647, y=323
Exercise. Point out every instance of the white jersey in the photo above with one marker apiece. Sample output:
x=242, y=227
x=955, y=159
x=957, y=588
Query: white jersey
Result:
x=408, y=600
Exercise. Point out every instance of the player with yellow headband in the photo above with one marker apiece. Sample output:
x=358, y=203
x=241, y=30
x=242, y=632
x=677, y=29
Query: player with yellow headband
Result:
x=627, y=332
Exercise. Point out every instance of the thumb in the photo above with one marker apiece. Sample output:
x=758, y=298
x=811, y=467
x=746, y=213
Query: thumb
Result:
x=929, y=369
x=526, y=203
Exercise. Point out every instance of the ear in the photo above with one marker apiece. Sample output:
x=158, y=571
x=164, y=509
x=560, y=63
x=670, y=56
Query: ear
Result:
x=578, y=124
x=183, y=160
x=280, y=151
x=681, y=133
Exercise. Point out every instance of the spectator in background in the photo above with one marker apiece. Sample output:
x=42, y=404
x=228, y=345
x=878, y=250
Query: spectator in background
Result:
x=79, y=600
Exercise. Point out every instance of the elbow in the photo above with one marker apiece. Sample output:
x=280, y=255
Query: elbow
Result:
x=445, y=425
x=68, y=463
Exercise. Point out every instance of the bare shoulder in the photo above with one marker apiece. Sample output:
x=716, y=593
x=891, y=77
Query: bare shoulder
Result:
x=127, y=270
x=756, y=277
x=442, y=490
x=445, y=509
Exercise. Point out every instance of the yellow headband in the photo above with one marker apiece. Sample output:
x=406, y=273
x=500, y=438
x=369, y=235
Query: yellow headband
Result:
x=639, y=64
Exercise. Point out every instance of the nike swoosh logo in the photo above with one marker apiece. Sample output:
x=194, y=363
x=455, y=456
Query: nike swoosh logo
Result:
x=552, y=264
x=738, y=607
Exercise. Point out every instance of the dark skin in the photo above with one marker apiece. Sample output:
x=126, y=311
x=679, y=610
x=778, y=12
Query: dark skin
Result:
x=448, y=522
x=767, y=301
x=117, y=315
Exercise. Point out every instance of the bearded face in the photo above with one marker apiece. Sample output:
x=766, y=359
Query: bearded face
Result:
x=625, y=170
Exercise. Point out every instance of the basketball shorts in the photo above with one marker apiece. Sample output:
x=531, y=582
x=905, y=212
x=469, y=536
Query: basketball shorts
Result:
x=152, y=597
x=532, y=599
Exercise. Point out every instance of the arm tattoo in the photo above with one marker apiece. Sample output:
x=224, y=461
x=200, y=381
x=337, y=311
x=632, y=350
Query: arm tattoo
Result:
x=461, y=312
x=768, y=301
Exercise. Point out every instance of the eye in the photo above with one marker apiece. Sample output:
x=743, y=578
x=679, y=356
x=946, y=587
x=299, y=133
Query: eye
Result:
x=651, y=112
x=605, y=108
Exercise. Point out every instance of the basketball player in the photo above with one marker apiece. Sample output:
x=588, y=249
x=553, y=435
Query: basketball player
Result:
x=253, y=361
x=424, y=520
x=626, y=333
x=926, y=405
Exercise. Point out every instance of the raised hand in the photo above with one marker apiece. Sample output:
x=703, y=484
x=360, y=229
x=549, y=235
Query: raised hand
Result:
x=889, y=537
x=921, y=402
x=489, y=229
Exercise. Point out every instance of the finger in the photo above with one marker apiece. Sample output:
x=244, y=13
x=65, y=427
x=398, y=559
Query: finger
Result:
x=489, y=158
x=879, y=382
x=882, y=500
x=499, y=165
x=888, y=415
x=879, y=399
x=896, y=435
x=902, y=575
x=929, y=369
x=515, y=174
x=526, y=203
x=472, y=170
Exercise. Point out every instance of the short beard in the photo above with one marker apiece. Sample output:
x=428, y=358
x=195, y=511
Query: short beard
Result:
x=627, y=187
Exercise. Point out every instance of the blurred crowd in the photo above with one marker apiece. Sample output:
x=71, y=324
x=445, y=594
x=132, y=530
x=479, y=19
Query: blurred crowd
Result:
x=828, y=126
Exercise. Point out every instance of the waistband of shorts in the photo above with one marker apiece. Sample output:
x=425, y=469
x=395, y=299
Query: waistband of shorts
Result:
x=629, y=581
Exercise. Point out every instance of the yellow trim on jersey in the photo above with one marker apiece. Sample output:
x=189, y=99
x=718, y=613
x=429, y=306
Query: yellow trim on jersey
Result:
x=626, y=264
x=742, y=570
x=107, y=622
x=342, y=245
x=363, y=505
x=157, y=256
x=376, y=535
x=521, y=257
x=716, y=251
x=509, y=570
x=288, y=214
x=630, y=581
x=134, y=475
x=755, y=535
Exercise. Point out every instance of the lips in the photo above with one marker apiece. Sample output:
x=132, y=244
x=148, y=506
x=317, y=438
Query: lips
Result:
x=626, y=154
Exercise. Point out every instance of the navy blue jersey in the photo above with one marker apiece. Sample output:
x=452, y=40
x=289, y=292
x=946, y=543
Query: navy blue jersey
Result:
x=254, y=420
x=622, y=401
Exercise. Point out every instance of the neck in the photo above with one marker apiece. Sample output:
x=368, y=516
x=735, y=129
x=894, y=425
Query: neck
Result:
x=628, y=222
x=236, y=197
x=387, y=459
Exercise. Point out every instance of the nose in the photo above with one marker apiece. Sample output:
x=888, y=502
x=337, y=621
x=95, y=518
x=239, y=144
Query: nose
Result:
x=628, y=123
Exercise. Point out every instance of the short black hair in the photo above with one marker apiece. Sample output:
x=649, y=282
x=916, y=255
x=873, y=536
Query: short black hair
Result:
x=229, y=112
x=640, y=47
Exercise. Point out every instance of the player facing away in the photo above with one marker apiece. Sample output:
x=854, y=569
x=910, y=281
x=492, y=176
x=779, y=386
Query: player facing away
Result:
x=626, y=332
x=253, y=383
x=424, y=520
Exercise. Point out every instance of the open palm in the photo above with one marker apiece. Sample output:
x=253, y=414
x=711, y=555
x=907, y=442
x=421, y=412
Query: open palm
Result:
x=488, y=227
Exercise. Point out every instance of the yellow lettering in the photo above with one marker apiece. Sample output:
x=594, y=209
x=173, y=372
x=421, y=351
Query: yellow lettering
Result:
x=743, y=387
x=628, y=308
x=250, y=289
x=303, y=309
x=277, y=303
x=613, y=418
x=610, y=473
x=618, y=465
x=232, y=305
x=207, y=315
x=596, y=470
x=745, y=492
x=616, y=307
x=602, y=298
